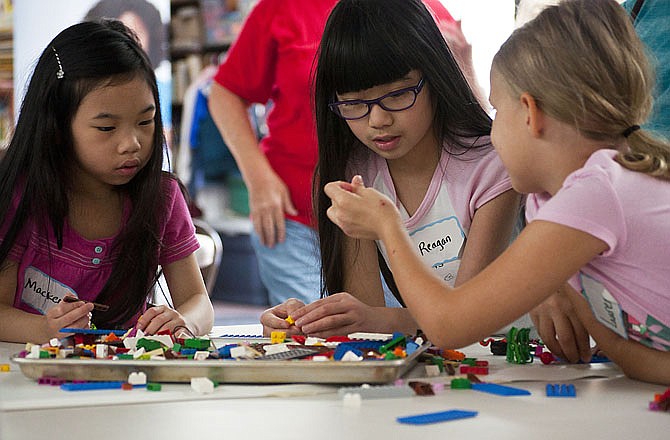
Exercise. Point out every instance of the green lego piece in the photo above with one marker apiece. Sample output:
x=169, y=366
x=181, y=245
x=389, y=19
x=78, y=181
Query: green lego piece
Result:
x=153, y=386
x=389, y=346
x=469, y=361
x=148, y=344
x=518, y=346
x=125, y=356
x=439, y=361
x=198, y=344
x=460, y=383
x=176, y=347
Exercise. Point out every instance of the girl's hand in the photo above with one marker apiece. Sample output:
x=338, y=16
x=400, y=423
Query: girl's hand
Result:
x=159, y=318
x=274, y=319
x=360, y=212
x=336, y=315
x=67, y=315
x=560, y=328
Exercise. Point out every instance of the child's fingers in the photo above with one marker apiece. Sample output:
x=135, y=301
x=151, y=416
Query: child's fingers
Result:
x=158, y=323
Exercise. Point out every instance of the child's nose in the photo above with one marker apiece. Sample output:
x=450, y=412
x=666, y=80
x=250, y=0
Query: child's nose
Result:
x=379, y=117
x=130, y=143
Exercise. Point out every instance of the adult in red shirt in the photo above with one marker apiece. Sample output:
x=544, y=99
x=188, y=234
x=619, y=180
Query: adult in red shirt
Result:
x=272, y=61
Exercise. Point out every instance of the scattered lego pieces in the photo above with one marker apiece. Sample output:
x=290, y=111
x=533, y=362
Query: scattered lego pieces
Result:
x=561, y=390
x=500, y=390
x=443, y=416
x=661, y=401
x=290, y=320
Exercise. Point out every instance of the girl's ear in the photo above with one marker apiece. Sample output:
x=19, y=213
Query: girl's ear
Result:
x=534, y=116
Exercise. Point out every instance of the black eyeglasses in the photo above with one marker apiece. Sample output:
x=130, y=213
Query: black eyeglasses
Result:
x=395, y=101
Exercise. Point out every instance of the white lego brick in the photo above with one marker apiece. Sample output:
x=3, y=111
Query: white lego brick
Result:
x=200, y=355
x=432, y=370
x=101, y=351
x=350, y=356
x=371, y=336
x=137, y=378
x=202, y=385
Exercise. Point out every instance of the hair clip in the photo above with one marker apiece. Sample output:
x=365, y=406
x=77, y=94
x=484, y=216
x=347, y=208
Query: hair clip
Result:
x=60, y=73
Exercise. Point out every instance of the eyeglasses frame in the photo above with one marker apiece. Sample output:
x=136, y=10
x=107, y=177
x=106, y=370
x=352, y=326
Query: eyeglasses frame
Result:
x=333, y=106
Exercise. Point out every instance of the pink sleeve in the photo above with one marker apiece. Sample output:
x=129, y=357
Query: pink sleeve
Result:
x=178, y=238
x=586, y=202
x=248, y=70
x=477, y=177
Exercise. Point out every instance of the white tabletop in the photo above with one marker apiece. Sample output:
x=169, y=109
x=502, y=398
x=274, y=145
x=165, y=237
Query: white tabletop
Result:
x=607, y=405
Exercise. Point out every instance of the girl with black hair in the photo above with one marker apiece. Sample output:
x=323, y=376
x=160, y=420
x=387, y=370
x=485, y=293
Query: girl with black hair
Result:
x=392, y=105
x=85, y=208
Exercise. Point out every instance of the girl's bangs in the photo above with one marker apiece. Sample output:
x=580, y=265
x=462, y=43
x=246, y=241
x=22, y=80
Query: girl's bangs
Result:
x=365, y=58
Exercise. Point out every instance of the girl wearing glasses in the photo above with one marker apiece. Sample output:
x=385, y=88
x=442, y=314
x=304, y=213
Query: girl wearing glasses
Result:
x=393, y=106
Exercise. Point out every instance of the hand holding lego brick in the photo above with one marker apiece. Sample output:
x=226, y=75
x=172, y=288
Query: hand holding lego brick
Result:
x=67, y=314
x=276, y=318
x=337, y=314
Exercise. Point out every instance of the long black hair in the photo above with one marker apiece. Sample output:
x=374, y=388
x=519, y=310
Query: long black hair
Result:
x=368, y=43
x=40, y=158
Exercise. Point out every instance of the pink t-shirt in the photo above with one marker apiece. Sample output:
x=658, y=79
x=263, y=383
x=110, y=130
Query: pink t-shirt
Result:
x=82, y=266
x=628, y=286
x=460, y=185
x=272, y=59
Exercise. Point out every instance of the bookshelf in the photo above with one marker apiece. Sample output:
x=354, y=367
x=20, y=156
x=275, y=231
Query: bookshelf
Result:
x=201, y=31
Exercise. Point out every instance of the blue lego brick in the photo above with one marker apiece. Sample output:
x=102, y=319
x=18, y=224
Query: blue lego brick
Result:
x=357, y=347
x=561, y=390
x=89, y=331
x=443, y=416
x=87, y=386
x=500, y=390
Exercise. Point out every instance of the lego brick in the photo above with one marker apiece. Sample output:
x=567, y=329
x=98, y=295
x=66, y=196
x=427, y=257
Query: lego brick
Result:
x=202, y=385
x=500, y=390
x=561, y=390
x=436, y=417
x=87, y=386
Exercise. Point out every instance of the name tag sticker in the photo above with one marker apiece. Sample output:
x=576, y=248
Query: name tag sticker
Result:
x=603, y=305
x=440, y=245
x=42, y=292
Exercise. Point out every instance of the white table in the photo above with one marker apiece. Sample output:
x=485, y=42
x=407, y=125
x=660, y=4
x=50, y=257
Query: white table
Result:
x=608, y=406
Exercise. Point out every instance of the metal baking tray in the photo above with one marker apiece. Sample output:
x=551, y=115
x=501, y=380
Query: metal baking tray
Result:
x=223, y=371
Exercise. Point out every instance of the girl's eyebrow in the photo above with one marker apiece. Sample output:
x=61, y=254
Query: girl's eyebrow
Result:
x=104, y=115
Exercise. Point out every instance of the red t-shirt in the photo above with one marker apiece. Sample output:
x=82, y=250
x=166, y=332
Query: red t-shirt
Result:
x=272, y=59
